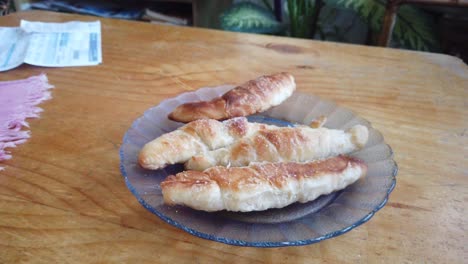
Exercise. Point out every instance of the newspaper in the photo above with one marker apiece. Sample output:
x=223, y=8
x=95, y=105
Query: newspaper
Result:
x=51, y=44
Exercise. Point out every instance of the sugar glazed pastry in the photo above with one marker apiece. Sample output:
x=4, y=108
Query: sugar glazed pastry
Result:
x=252, y=97
x=286, y=144
x=240, y=166
x=194, y=138
x=260, y=186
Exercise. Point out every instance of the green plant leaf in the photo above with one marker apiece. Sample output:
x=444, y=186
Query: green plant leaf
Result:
x=300, y=14
x=371, y=11
x=268, y=5
x=413, y=29
x=251, y=18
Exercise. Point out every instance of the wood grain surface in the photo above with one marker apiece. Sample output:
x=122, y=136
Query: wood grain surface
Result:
x=63, y=199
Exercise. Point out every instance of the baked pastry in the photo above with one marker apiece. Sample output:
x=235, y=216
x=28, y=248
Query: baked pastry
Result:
x=286, y=144
x=252, y=97
x=260, y=186
x=194, y=138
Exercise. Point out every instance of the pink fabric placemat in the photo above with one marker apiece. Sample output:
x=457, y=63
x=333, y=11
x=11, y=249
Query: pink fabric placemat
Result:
x=18, y=101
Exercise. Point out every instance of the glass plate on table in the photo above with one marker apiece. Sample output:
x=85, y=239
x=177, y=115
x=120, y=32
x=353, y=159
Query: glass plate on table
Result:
x=297, y=224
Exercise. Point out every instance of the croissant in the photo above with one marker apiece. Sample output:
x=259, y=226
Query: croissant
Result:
x=260, y=186
x=252, y=97
x=285, y=144
x=195, y=138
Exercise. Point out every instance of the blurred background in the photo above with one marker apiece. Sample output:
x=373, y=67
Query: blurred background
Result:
x=425, y=25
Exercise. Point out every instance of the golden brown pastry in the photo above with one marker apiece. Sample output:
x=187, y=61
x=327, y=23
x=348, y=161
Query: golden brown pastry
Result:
x=260, y=186
x=298, y=144
x=195, y=138
x=252, y=97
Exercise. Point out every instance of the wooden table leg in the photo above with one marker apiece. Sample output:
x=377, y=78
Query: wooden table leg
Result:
x=388, y=22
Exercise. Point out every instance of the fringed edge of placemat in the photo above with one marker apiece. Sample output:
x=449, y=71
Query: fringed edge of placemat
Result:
x=11, y=131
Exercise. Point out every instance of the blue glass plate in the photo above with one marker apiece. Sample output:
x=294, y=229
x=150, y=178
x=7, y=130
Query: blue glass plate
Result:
x=298, y=224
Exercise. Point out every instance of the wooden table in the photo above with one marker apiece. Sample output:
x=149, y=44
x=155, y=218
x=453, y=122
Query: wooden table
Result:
x=63, y=199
